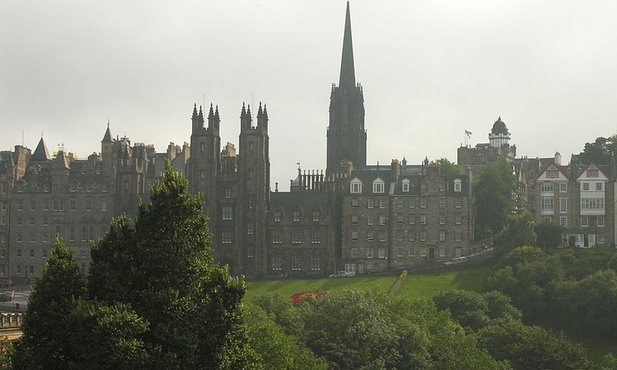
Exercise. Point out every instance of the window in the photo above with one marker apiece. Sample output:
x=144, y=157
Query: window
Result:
x=277, y=238
x=18, y=269
x=381, y=252
x=458, y=219
x=423, y=219
x=442, y=235
x=423, y=188
x=46, y=205
x=592, y=204
x=382, y=203
x=202, y=174
x=296, y=216
x=355, y=186
x=19, y=221
x=296, y=265
x=227, y=237
x=399, y=203
x=563, y=221
x=45, y=221
x=442, y=219
x=104, y=205
x=370, y=236
x=315, y=237
x=369, y=252
x=354, y=236
x=18, y=238
x=370, y=203
x=296, y=237
x=370, y=220
x=412, y=202
x=32, y=238
x=382, y=220
x=458, y=203
x=442, y=202
x=354, y=219
x=316, y=215
x=399, y=219
x=552, y=173
x=423, y=203
x=18, y=253
x=593, y=173
x=400, y=236
x=382, y=236
x=2, y=253
x=423, y=236
x=315, y=264
x=412, y=219
x=31, y=253
x=412, y=251
x=584, y=221
x=88, y=205
x=378, y=186
x=457, y=185
x=563, y=205
x=71, y=233
x=458, y=236
x=20, y=205
x=33, y=205
x=599, y=186
x=227, y=213
x=277, y=216
x=250, y=174
x=563, y=187
x=276, y=263
x=72, y=205
x=406, y=186
x=548, y=187
x=250, y=228
x=600, y=221
x=601, y=239
x=586, y=186
x=442, y=187
x=412, y=236
x=250, y=203
x=45, y=237
x=355, y=202
x=354, y=253
x=547, y=203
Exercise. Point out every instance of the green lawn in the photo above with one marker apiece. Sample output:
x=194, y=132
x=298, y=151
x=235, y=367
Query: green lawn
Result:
x=415, y=286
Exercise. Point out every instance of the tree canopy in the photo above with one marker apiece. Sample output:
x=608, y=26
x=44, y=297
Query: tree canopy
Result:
x=600, y=151
x=493, y=189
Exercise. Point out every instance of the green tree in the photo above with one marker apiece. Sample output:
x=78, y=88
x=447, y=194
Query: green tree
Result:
x=518, y=232
x=493, y=190
x=162, y=267
x=106, y=337
x=45, y=343
x=548, y=235
x=446, y=167
x=600, y=151
x=532, y=347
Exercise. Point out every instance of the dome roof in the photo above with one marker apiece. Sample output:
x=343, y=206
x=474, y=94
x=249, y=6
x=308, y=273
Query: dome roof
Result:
x=499, y=127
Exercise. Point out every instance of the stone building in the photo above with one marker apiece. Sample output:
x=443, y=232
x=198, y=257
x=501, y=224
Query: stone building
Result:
x=355, y=216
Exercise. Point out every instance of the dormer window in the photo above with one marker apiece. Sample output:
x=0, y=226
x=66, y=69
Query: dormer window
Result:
x=406, y=186
x=355, y=186
x=457, y=185
x=378, y=186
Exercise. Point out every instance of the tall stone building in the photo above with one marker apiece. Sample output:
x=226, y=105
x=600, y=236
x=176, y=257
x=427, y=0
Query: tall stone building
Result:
x=357, y=217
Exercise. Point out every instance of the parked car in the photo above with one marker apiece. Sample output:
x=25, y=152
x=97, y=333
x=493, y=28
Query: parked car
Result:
x=456, y=260
x=7, y=297
x=340, y=274
x=5, y=283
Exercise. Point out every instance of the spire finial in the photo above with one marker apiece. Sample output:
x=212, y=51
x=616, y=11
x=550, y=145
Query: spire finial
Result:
x=348, y=74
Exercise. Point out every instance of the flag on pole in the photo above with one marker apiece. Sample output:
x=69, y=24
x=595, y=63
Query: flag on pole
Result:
x=468, y=133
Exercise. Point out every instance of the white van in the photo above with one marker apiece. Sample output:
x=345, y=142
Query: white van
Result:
x=456, y=260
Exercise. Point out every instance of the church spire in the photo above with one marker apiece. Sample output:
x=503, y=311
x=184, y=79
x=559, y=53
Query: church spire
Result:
x=348, y=74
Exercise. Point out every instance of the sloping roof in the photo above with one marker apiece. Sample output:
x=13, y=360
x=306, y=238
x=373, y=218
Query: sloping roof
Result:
x=41, y=153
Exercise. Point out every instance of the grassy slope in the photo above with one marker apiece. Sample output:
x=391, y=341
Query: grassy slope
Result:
x=416, y=286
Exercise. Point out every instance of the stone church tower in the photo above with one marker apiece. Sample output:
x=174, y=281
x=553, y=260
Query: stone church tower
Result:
x=346, y=132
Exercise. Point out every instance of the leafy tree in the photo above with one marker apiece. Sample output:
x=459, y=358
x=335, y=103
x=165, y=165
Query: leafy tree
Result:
x=522, y=254
x=477, y=310
x=106, y=337
x=600, y=151
x=45, y=343
x=532, y=347
x=518, y=232
x=446, y=167
x=162, y=267
x=548, y=235
x=493, y=199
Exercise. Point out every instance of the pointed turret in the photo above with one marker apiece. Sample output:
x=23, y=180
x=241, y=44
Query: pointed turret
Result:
x=197, y=118
x=41, y=153
x=214, y=120
x=347, y=78
x=262, y=117
x=245, y=118
x=107, y=136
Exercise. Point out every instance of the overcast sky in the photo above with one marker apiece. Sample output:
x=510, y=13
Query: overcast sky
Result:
x=430, y=70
